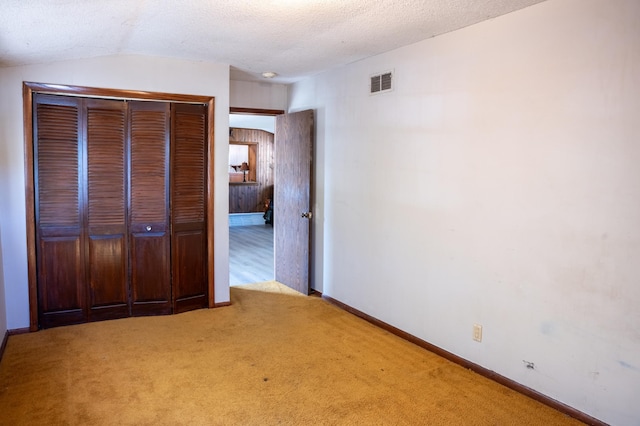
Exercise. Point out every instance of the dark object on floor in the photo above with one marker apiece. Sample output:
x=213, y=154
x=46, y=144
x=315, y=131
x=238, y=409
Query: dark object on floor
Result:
x=268, y=214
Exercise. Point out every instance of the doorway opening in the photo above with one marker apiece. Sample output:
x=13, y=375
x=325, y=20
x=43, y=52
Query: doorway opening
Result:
x=251, y=186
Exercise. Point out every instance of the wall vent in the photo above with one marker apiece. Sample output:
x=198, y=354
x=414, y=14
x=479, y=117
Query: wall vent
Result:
x=381, y=83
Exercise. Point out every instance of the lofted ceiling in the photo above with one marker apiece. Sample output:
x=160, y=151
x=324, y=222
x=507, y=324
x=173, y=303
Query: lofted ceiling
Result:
x=294, y=38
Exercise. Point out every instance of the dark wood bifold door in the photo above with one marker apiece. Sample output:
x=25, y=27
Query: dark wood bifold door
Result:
x=106, y=248
x=60, y=233
x=188, y=207
x=120, y=202
x=149, y=213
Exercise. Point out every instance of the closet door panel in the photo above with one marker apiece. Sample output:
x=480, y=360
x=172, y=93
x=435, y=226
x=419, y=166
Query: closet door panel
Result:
x=148, y=260
x=106, y=209
x=188, y=203
x=189, y=269
x=149, y=212
x=108, y=286
x=60, y=281
x=107, y=270
x=59, y=227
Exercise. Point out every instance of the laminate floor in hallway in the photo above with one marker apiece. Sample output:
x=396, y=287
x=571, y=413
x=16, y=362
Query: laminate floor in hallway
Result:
x=250, y=254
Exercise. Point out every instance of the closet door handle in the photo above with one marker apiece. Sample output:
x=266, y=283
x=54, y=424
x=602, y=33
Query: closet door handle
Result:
x=148, y=228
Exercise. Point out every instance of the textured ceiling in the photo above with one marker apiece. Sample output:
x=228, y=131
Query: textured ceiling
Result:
x=294, y=38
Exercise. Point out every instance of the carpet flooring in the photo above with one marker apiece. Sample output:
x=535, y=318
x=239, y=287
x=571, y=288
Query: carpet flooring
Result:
x=273, y=357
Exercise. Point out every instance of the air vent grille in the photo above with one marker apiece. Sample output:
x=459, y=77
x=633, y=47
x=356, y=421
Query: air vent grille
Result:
x=381, y=82
x=375, y=84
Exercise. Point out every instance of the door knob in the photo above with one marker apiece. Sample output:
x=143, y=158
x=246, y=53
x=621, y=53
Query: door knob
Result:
x=308, y=215
x=148, y=228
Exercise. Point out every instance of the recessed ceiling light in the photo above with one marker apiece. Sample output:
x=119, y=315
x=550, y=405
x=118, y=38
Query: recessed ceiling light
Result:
x=269, y=74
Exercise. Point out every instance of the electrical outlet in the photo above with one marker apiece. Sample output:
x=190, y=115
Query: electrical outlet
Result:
x=477, y=332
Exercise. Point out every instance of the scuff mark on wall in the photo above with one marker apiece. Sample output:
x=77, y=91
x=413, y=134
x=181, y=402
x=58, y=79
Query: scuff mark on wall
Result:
x=548, y=328
x=628, y=366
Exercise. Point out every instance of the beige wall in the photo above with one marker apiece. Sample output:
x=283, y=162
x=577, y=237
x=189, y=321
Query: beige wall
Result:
x=255, y=94
x=3, y=307
x=498, y=184
x=121, y=72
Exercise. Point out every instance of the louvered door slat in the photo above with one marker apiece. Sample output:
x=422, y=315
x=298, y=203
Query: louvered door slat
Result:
x=189, y=168
x=106, y=162
x=149, y=146
x=57, y=165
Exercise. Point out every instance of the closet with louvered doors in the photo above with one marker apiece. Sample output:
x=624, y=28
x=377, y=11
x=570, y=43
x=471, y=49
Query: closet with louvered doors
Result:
x=107, y=174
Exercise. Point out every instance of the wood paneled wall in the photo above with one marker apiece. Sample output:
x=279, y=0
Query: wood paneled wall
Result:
x=251, y=197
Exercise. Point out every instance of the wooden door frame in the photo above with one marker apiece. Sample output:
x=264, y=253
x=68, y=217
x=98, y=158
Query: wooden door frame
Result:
x=258, y=111
x=312, y=189
x=28, y=90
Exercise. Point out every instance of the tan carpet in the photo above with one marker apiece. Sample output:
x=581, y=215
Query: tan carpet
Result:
x=273, y=357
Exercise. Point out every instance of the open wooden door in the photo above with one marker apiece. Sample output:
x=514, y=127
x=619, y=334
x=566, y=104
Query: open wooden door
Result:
x=292, y=199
